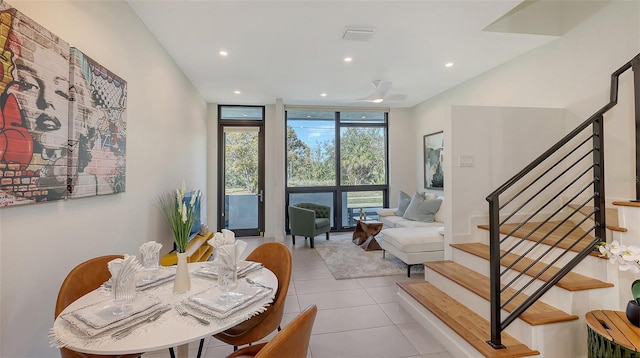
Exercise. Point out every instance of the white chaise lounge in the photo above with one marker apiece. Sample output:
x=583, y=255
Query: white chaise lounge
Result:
x=410, y=239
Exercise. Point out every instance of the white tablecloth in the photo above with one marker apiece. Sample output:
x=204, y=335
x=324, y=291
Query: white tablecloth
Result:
x=170, y=330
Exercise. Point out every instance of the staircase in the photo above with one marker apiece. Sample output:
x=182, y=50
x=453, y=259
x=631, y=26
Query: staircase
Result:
x=524, y=287
x=453, y=303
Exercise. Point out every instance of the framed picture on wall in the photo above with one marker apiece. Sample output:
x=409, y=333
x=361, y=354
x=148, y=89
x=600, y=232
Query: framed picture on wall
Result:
x=433, y=157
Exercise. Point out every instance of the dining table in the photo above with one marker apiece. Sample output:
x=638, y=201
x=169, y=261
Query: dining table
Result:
x=170, y=329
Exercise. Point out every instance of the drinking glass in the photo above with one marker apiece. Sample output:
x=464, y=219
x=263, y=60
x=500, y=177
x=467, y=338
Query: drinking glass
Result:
x=227, y=278
x=123, y=290
x=228, y=274
x=150, y=265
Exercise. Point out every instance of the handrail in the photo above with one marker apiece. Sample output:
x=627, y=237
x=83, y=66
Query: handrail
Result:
x=549, y=196
x=612, y=102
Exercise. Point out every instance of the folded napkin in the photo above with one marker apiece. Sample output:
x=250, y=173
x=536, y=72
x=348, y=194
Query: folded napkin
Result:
x=122, y=268
x=229, y=255
x=150, y=247
x=226, y=237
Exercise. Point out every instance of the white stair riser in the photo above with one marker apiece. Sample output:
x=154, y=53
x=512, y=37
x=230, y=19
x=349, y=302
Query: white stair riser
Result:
x=591, y=266
x=455, y=344
x=519, y=329
x=545, y=338
x=557, y=297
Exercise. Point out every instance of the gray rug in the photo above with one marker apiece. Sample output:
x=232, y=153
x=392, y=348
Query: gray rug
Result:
x=346, y=260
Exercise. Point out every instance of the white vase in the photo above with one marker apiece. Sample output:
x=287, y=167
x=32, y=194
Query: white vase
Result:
x=182, y=281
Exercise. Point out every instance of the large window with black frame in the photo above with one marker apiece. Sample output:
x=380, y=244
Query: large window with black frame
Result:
x=338, y=158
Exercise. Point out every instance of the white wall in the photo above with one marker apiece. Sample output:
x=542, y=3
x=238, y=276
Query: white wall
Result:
x=571, y=72
x=500, y=140
x=402, y=155
x=166, y=139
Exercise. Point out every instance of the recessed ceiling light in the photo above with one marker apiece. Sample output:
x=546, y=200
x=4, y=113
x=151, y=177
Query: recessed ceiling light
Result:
x=223, y=53
x=348, y=59
x=323, y=94
x=237, y=92
x=448, y=64
x=378, y=100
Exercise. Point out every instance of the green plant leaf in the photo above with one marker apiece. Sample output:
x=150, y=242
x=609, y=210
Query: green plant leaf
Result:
x=635, y=290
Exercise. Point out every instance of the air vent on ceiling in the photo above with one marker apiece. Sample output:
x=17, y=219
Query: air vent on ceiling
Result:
x=358, y=34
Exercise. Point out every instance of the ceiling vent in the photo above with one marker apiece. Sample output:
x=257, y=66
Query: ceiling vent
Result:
x=358, y=34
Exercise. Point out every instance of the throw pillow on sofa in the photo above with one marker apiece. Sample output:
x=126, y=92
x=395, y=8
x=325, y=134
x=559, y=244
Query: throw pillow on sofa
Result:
x=421, y=209
x=403, y=202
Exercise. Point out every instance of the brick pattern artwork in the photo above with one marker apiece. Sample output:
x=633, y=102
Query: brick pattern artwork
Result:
x=62, y=118
x=98, y=113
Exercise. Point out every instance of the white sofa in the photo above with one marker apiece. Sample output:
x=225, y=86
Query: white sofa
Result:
x=412, y=241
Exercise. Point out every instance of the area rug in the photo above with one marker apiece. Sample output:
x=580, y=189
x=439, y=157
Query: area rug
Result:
x=346, y=260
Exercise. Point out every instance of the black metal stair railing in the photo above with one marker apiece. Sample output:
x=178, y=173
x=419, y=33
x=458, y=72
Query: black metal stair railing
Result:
x=552, y=213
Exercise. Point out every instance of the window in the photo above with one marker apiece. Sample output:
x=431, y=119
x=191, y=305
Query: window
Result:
x=339, y=159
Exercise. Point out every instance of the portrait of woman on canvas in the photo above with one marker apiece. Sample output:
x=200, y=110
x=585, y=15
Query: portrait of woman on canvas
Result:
x=60, y=137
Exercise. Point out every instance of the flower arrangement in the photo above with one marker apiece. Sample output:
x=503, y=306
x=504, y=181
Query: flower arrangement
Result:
x=626, y=257
x=180, y=215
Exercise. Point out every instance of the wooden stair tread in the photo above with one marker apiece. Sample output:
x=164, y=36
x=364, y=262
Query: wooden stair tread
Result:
x=466, y=323
x=539, y=313
x=553, y=238
x=634, y=204
x=571, y=282
x=611, y=213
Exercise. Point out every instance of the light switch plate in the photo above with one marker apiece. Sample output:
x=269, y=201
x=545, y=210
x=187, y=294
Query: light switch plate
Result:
x=465, y=161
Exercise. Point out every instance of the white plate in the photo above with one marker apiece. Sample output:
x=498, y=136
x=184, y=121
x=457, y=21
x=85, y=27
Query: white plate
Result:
x=100, y=314
x=213, y=298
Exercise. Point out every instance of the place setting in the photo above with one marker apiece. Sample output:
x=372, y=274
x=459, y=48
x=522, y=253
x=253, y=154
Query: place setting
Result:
x=231, y=294
x=134, y=305
x=152, y=274
x=116, y=315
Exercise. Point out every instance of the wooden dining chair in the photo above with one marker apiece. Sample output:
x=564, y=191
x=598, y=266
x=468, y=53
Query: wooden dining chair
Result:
x=81, y=280
x=276, y=257
x=291, y=342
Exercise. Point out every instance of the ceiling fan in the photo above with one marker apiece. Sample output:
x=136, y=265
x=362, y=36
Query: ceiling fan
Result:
x=380, y=94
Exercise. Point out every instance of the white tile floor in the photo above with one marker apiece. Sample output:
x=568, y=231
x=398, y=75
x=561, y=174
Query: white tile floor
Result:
x=356, y=318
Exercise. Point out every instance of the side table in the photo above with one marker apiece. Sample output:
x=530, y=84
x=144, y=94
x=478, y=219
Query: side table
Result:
x=610, y=334
x=365, y=234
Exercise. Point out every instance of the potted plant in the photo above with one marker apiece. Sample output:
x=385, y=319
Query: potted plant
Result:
x=180, y=214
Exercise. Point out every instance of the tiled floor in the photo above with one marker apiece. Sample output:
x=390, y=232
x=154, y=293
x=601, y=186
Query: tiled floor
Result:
x=356, y=318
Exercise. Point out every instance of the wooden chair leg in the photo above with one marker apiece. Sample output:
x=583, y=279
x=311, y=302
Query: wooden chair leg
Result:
x=327, y=235
x=383, y=252
x=408, y=270
x=311, y=241
x=293, y=238
x=172, y=353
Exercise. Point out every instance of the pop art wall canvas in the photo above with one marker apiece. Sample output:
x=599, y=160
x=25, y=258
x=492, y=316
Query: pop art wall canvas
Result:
x=56, y=143
x=99, y=124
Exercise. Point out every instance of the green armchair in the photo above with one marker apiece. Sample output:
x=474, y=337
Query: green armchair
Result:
x=309, y=220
